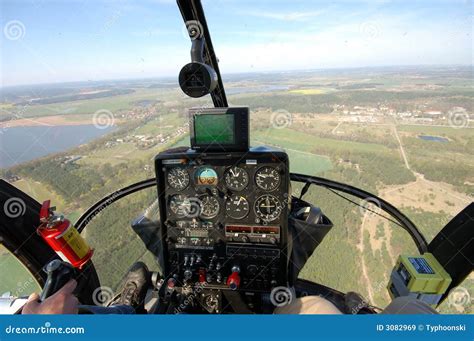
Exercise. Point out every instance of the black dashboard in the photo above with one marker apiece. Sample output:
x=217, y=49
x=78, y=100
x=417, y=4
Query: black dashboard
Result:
x=224, y=218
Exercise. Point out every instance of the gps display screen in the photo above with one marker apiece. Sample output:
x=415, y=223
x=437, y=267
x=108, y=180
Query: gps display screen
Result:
x=214, y=128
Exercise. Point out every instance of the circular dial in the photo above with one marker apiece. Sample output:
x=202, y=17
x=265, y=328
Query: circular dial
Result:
x=184, y=206
x=178, y=178
x=267, y=178
x=236, y=178
x=209, y=207
x=206, y=177
x=179, y=204
x=267, y=207
x=237, y=207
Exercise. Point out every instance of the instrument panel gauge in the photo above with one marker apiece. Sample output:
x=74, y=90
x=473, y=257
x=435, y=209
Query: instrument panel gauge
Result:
x=237, y=207
x=267, y=178
x=178, y=178
x=205, y=176
x=268, y=207
x=179, y=204
x=209, y=207
x=236, y=178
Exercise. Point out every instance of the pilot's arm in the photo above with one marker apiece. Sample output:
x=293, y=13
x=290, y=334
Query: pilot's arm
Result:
x=62, y=302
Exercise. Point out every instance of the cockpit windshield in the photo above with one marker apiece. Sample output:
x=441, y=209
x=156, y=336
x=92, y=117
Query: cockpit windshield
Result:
x=377, y=95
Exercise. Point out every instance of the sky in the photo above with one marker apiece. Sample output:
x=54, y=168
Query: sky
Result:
x=50, y=41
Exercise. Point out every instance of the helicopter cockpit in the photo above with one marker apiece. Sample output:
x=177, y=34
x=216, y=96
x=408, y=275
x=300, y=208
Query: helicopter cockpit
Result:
x=227, y=224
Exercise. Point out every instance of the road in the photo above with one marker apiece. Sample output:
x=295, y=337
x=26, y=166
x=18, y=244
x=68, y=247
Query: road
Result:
x=402, y=150
x=334, y=130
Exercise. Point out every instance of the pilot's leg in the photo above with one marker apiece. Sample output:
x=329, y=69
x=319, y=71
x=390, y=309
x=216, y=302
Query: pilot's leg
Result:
x=132, y=290
x=130, y=297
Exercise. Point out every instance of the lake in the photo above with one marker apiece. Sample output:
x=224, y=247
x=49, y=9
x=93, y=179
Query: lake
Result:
x=433, y=138
x=21, y=144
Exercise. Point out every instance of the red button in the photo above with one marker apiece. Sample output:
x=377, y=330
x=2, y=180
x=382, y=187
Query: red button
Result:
x=171, y=283
x=202, y=275
x=234, y=281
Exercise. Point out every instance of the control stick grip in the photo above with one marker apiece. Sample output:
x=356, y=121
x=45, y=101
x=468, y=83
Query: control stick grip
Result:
x=59, y=273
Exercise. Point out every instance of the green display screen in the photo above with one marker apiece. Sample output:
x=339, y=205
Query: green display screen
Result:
x=214, y=128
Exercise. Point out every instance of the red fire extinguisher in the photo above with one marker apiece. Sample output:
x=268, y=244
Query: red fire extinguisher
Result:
x=62, y=237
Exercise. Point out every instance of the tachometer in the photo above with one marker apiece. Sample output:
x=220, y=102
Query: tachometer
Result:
x=209, y=207
x=268, y=207
x=267, y=178
x=236, y=178
x=237, y=207
x=178, y=178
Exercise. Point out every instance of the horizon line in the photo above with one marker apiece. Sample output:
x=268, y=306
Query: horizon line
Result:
x=234, y=73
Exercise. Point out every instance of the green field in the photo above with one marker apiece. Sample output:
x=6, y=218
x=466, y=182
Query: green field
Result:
x=90, y=106
x=289, y=138
x=121, y=153
x=305, y=162
x=165, y=124
x=41, y=192
x=15, y=277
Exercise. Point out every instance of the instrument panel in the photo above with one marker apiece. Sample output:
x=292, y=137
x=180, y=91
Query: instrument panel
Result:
x=205, y=202
x=228, y=213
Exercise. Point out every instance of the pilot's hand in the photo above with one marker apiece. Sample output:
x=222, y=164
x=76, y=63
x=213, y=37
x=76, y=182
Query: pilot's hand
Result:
x=62, y=302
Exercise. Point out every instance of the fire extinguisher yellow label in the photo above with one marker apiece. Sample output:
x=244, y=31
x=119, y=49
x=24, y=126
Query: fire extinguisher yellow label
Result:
x=76, y=242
